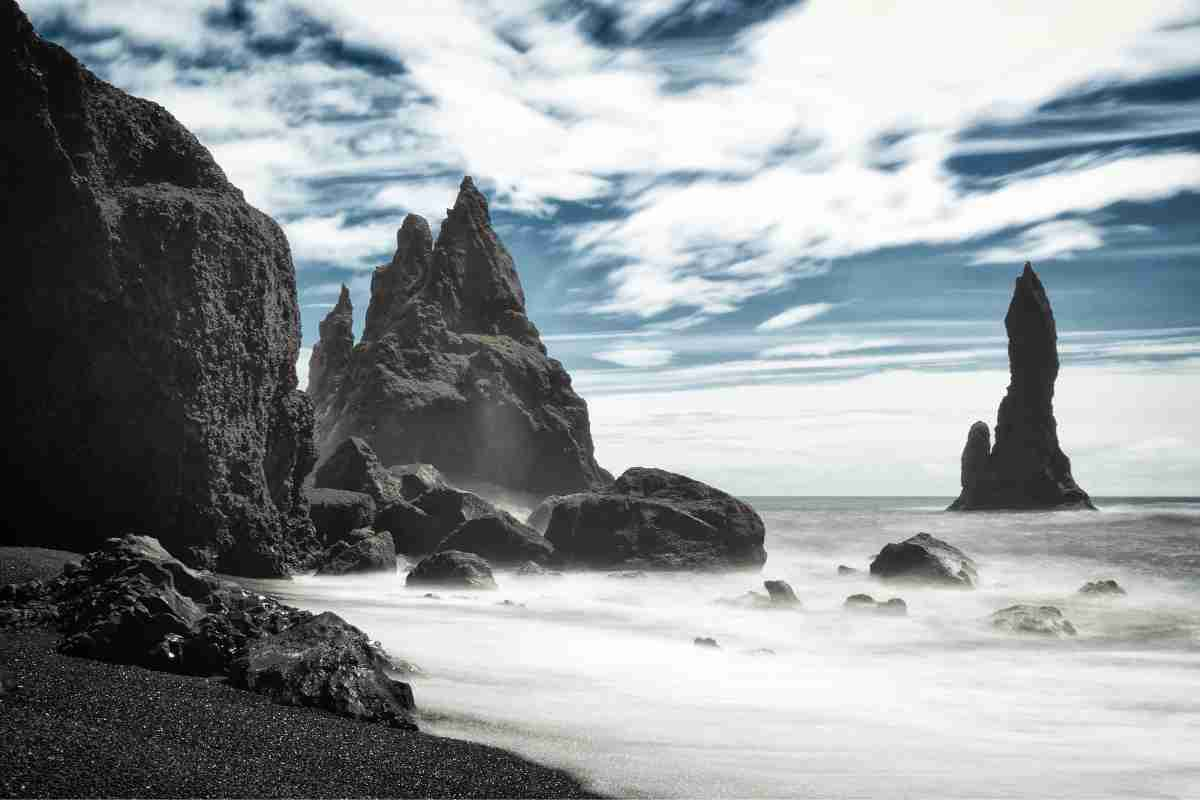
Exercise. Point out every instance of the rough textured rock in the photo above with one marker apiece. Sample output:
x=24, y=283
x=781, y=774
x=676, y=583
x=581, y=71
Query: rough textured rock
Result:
x=864, y=602
x=1033, y=620
x=1026, y=468
x=1107, y=586
x=354, y=467
x=336, y=512
x=452, y=569
x=325, y=662
x=417, y=479
x=925, y=559
x=331, y=354
x=154, y=326
x=539, y=518
x=501, y=539
x=363, y=550
x=450, y=370
x=781, y=593
x=650, y=518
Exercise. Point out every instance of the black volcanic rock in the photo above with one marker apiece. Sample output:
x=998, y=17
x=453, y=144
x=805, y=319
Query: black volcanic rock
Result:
x=354, y=467
x=452, y=569
x=153, y=329
x=362, y=550
x=501, y=539
x=1026, y=469
x=651, y=518
x=336, y=512
x=925, y=559
x=450, y=371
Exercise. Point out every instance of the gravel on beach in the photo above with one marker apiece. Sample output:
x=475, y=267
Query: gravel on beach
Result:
x=73, y=727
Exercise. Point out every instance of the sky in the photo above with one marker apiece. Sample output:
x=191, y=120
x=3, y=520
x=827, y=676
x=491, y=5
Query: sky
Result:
x=773, y=242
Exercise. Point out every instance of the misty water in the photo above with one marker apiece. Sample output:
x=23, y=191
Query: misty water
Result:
x=598, y=674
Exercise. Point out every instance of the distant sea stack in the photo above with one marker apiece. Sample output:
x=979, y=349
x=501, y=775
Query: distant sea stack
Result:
x=450, y=371
x=152, y=329
x=1026, y=469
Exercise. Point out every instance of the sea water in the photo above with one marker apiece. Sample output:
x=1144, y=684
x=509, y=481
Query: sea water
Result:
x=598, y=674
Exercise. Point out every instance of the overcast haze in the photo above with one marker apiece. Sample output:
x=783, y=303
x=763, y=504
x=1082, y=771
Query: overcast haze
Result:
x=773, y=242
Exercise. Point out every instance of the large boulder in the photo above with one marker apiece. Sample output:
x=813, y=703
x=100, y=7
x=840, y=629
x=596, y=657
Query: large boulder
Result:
x=925, y=559
x=650, y=518
x=354, y=467
x=153, y=325
x=452, y=569
x=501, y=539
x=336, y=512
x=1026, y=468
x=417, y=479
x=325, y=662
x=363, y=550
x=451, y=371
x=1032, y=620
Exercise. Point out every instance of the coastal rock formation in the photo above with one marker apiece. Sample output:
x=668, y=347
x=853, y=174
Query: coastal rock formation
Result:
x=417, y=479
x=354, y=467
x=781, y=593
x=336, y=512
x=153, y=329
x=501, y=539
x=864, y=602
x=331, y=354
x=1032, y=620
x=452, y=569
x=450, y=371
x=1102, y=587
x=651, y=518
x=1026, y=468
x=925, y=559
x=363, y=550
x=325, y=662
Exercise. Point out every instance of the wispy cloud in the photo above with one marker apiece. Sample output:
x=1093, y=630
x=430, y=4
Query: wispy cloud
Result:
x=795, y=316
x=636, y=356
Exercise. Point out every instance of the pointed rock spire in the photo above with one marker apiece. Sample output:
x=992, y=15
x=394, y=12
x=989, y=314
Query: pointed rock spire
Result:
x=1025, y=468
x=331, y=355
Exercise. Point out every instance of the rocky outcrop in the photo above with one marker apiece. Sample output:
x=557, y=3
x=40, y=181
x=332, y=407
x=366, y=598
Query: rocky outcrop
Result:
x=925, y=559
x=1102, y=587
x=331, y=354
x=650, y=518
x=417, y=479
x=1026, y=468
x=363, y=550
x=336, y=512
x=153, y=328
x=1032, y=620
x=450, y=371
x=865, y=603
x=501, y=539
x=452, y=569
x=781, y=593
x=354, y=467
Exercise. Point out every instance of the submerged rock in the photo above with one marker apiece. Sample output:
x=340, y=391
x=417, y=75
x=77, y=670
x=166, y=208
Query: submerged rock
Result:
x=501, y=539
x=654, y=519
x=864, y=602
x=153, y=329
x=781, y=593
x=1107, y=586
x=925, y=559
x=325, y=662
x=706, y=641
x=1026, y=469
x=336, y=512
x=451, y=371
x=1034, y=620
x=363, y=550
x=452, y=569
x=844, y=570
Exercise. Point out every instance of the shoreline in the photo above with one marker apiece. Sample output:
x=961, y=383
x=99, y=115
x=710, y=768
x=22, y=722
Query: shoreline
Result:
x=75, y=727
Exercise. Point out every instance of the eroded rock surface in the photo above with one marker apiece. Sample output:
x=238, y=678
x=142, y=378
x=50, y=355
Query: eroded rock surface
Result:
x=362, y=550
x=501, y=539
x=925, y=559
x=452, y=569
x=1025, y=468
x=336, y=512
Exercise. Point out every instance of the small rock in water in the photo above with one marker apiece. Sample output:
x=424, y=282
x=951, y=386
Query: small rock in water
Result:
x=864, y=602
x=1035, y=620
x=1107, y=586
x=844, y=570
x=706, y=641
x=925, y=559
x=781, y=593
x=454, y=569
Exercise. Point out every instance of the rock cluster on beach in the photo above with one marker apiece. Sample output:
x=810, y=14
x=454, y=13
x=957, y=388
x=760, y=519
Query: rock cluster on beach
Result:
x=153, y=325
x=450, y=370
x=1025, y=468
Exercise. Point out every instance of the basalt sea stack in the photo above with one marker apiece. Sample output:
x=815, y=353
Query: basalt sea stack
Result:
x=1026, y=469
x=450, y=371
x=151, y=329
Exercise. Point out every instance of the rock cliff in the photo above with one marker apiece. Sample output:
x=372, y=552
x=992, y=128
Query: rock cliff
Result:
x=450, y=371
x=1026, y=468
x=153, y=328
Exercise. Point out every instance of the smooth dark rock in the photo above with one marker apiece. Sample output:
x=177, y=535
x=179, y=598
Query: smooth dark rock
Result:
x=1108, y=586
x=325, y=662
x=417, y=479
x=781, y=593
x=1032, y=620
x=363, y=550
x=706, y=641
x=153, y=330
x=454, y=570
x=864, y=602
x=500, y=539
x=653, y=519
x=925, y=559
x=354, y=467
x=1026, y=468
x=450, y=370
x=336, y=512
x=844, y=570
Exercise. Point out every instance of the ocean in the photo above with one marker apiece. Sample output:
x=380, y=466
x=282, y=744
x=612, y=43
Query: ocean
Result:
x=598, y=673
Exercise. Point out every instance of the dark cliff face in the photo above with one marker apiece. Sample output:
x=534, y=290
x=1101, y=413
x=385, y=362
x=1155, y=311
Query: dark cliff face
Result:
x=152, y=326
x=1026, y=469
x=450, y=370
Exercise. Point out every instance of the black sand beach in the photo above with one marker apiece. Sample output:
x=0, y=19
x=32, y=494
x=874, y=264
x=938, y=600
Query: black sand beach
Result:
x=80, y=728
